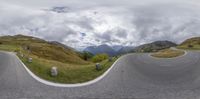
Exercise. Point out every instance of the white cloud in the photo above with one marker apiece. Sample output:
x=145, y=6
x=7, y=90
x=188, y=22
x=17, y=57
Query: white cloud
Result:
x=111, y=22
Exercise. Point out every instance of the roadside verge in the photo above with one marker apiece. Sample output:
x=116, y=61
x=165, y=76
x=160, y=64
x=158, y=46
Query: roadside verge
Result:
x=66, y=85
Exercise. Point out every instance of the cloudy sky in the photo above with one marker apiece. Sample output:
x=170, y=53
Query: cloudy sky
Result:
x=81, y=23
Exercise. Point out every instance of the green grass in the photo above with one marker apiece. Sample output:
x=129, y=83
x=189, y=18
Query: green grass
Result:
x=71, y=67
x=12, y=48
x=168, y=53
x=190, y=44
x=67, y=73
x=195, y=47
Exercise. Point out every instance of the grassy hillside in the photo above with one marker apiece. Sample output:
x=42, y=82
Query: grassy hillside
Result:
x=40, y=48
x=71, y=67
x=192, y=43
x=168, y=53
x=154, y=46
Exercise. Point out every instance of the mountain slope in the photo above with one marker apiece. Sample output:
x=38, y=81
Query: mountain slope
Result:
x=101, y=49
x=60, y=44
x=41, y=48
x=192, y=43
x=117, y=47
x=45, y=55
x=126, y=49
x=154, y=46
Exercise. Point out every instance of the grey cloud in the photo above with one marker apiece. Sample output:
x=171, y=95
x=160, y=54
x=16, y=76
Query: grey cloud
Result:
x=60, y=9
x=121, y=33
x=58, y=34
x=165, y=22
x=111, y=36
x=104, y=36
x=122, y=22
x=90, y=3
x=83, y=22
x=73, y=41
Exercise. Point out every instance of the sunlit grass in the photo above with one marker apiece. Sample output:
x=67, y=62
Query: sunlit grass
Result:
x=195, y=47
x=67, y=73
x=9, y=47
x=71, y=67
x=168, y=53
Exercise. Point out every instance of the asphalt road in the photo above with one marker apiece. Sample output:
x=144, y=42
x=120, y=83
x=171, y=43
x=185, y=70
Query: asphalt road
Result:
x=135, y=76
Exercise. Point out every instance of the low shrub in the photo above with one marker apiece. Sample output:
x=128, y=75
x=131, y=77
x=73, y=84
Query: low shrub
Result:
x=190, y=46
x=100, y=57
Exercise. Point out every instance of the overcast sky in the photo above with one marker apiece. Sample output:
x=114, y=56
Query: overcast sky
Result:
x=81, y=23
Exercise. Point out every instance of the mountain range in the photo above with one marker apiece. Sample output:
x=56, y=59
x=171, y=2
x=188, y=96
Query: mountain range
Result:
x=118, y=50
x=101, y=49
x=154, y=46
x=49, y=49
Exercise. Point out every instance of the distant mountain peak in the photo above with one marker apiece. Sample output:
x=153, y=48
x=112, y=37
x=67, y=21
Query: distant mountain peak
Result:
x=101, y=49
x=103, y=45
x=117, y=47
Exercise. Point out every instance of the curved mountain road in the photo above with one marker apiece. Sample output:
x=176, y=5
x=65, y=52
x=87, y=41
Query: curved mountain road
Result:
x=135, y=76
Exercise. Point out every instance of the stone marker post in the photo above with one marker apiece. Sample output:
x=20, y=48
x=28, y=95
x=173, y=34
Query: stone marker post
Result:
x=54, y=71
x=30, y=60
x=110, y=59
x=98, y=66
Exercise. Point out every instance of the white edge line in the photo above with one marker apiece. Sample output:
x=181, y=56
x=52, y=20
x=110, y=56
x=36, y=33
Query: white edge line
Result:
x=67, y=85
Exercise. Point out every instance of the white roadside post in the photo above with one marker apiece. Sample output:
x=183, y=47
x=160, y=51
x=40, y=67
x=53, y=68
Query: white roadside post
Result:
x=54, y=71
x=110, y=59
x=30, y=60
x=98, y=66
x=22, y=55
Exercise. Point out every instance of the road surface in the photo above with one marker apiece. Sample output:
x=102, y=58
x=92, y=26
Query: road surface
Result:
x=134, y=76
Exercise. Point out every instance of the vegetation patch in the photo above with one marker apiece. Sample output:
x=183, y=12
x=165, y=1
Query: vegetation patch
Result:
x=67, y=72
x=190, y=44
x=190, y=47
x=154, y=46
x=168, y=53
x=73, y=67
x=100, y=57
